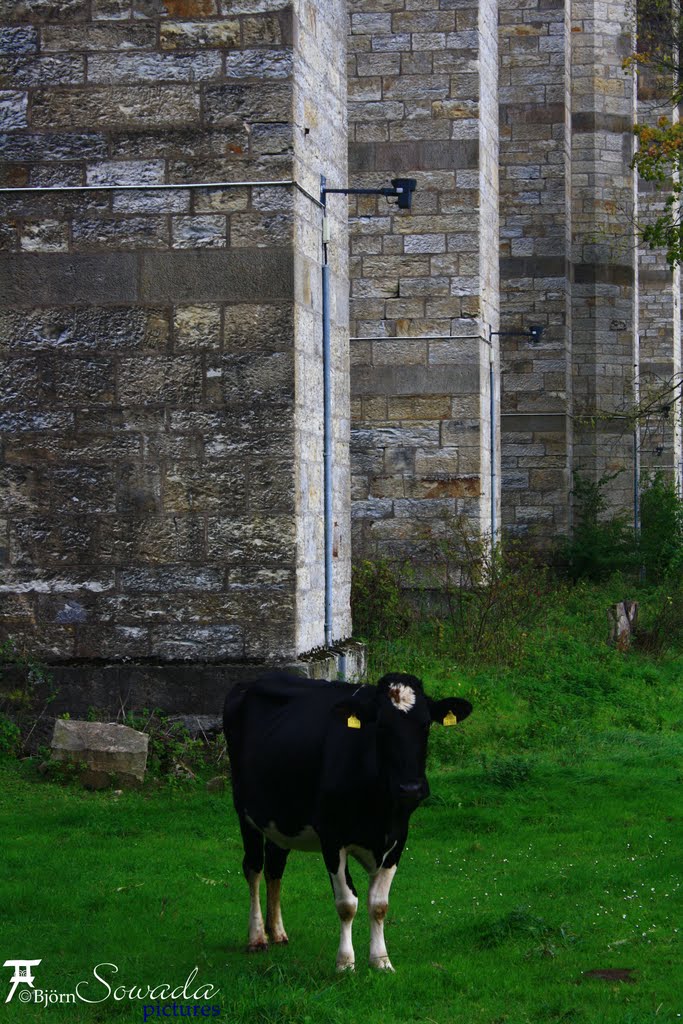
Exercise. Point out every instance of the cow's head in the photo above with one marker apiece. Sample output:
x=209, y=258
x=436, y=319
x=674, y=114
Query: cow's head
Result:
x=402, y=714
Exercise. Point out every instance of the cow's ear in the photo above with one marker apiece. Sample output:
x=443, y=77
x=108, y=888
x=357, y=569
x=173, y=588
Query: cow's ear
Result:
x=450, y=710
x=355, y=714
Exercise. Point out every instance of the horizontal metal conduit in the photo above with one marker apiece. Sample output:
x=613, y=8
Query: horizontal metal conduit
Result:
x=146, y=187
x=428, y=337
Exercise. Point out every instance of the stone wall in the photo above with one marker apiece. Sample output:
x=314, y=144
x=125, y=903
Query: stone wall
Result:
x=659, y=290
x=422, y=91
x=159, y=346
x=604, y=290
x=535, y=239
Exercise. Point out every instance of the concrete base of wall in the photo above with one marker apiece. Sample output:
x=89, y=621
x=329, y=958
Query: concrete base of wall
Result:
x=109, y=691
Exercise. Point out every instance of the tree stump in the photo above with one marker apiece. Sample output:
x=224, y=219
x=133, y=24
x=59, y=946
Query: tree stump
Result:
x=623, y=619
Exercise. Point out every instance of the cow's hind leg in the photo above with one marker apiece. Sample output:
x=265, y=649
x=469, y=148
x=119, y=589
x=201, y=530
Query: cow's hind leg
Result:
x=276, y=858
x=252, y=865
x=346, y=902
x=378, y=903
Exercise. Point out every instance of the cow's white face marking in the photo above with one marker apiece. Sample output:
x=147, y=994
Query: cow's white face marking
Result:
x=402, y=696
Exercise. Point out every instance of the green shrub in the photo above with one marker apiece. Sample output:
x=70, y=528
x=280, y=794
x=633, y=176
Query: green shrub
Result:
x=27, y=689
x=601, y=544
x=661, y=525
x=488, y=596
x=173, y=754
x=378, y=602
x=661, y=619
x=10, y=737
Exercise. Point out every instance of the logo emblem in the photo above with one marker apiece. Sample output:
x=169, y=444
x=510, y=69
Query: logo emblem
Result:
x=22, y=974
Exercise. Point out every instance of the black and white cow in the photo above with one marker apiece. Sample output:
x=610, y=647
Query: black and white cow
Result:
x=326, y=766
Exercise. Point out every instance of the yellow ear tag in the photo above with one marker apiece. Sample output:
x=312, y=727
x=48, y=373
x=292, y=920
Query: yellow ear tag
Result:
x=450, y=719
x=353, y=722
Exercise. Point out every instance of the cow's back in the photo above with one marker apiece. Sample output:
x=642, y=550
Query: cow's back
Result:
x=277, y=729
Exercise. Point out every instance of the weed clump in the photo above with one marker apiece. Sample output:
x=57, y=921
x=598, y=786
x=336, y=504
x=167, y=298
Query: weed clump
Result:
x=508, y=772
x=27, y=689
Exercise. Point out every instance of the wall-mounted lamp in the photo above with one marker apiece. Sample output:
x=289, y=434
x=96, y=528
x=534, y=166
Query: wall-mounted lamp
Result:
x=401, y=188
x=535, y=333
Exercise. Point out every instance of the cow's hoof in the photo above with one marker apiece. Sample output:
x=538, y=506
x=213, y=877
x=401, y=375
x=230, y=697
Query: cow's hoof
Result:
x=279, y=940
x=382, y=963
x=257, y=947
x=345, y=965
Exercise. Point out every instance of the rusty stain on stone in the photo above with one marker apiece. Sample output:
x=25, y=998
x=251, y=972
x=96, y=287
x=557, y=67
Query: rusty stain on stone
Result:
x=460, y=487
x=190, y=8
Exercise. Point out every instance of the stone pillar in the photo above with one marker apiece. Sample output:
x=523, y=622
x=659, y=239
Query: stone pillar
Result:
x=535, y=240
x=660, y=320
x=424, y=291
x=604, y=290
x=161, y=387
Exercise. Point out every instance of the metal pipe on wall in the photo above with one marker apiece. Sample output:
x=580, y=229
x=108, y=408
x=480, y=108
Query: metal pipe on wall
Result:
x=327, y=425
x=492, y=444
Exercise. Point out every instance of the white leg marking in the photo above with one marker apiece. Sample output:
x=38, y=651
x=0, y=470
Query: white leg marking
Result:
x=378, y=902
x=347, y=905
x=274, y=926
x=257, y=933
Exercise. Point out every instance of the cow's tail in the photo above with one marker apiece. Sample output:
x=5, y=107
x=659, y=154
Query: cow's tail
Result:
x=233, y=728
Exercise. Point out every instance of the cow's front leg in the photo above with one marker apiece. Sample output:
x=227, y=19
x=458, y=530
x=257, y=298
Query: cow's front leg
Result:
x=378, y=904
x=346, y=902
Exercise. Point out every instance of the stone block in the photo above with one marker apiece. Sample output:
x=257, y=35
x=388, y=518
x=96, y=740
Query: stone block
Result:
x=251, y=100
x=197, y=643
x=160, y=380
x=93, y=38
x=221, y=200
x=195, y=490
x=124, y=233
x=33, y=279
x=42, y=10
x=250, y=326
x=141, y=106
x=250, y=275
x=261, y=64
x=191, y=8
x=197, y=327
x=264, y=540
x=122, y=69
x=46, y=236
x=264, y=29
x=13, y=107
x=107, y=751
x=28, y=147
x=194, y=35
x=28, y=72
x=199, y=232
x=22, y=39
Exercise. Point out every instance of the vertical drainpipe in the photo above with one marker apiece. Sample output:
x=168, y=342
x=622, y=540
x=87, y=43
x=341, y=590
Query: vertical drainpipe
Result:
x=327, y=421
x=492, y=438
x=636, y=447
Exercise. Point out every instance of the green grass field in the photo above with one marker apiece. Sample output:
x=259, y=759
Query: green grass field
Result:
x=550, y=848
